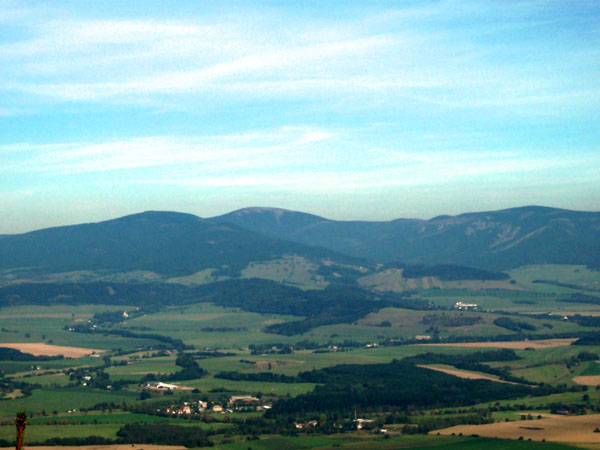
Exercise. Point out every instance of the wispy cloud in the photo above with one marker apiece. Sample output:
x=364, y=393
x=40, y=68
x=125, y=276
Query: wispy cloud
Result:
x=272, y=149
x=436, y=54
x=302, y=158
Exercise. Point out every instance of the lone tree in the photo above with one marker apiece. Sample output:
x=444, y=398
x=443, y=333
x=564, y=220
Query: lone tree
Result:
x=20, y=422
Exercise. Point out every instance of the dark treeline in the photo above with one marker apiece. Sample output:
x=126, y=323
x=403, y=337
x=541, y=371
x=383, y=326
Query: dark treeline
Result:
x=135, y=433
x=176, y=343
x=590, y=339
x=581, y=298
x=223, y=329
x=260, y=376
x=567, y=285
x=399, y=384
x=514, y=325
x=469, y=361
x=473, y=362
x=335, y=304
x=158, y=433
x=210, y=354
x=191, y=371
x=11, y=354
x=93, y=293
x=450, y=321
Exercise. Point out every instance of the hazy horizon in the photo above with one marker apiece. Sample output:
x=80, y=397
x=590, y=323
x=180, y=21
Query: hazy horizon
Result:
x=325, y=216
x=361, y=111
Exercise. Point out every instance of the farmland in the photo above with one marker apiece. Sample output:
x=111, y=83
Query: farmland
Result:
x=91, y=377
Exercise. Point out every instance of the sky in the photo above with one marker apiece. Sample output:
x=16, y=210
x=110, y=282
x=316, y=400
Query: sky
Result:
x=350, y=110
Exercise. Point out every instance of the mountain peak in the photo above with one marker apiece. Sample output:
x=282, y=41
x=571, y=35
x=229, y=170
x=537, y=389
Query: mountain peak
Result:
x=261, y=210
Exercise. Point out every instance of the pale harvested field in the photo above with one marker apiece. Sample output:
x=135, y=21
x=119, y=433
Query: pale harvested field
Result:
x=393, y=280
x=104, y=447
x=590, y=380
x=464, y=374
x=516, y=345
x=555, y=428
x=39, y=348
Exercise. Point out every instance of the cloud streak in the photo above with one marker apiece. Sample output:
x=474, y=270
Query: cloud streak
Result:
x=422, y=54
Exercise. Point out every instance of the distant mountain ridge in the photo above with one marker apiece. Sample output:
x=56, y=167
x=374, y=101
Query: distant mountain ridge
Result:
x=166, y=243
x=294, y=247
x=495, y=240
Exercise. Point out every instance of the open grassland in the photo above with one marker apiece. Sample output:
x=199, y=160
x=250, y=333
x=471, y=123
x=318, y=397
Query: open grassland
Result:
x=580, y=276
x=62, y=400
x=208, y=384
x=39, y=348
x=556, y=428
x=539, y=298
x=39, y=433
x=516, y=345
x=55, y=379
x=163, y=364
x=198, y=324
x=553, y=365
x=291, y=364
x=393, y=280
x=26, y=325
x=118, y=417
x=31, y=367
x=543, y=401
x=291, y=269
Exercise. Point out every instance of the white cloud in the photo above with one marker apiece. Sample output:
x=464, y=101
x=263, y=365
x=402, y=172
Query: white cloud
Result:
x=433, y=54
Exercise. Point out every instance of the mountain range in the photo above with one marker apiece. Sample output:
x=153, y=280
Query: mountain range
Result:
x=296, y=247
x=492, y=240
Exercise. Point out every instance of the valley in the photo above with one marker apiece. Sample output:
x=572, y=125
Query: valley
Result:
x=161, y=329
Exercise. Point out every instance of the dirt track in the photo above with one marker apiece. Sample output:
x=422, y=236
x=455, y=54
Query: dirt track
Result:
x=39, y=348
x=464, y=374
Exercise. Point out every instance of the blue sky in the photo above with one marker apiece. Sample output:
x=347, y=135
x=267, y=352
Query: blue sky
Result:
x=350, y=110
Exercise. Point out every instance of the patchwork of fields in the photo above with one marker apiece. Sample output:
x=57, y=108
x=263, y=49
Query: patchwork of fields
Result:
x=90, y=377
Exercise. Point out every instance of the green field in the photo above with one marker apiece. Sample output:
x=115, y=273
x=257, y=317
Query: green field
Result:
x=208, y=327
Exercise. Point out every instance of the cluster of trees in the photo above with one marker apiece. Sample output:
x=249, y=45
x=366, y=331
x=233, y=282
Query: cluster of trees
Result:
x=11, y=354
x=473, y=362
x=191, y=370
x=450, y=321
x=470, y=361
x=159, y=433
x=581, y=298
x=399, y=384
x=94, y=293
x=173, y=343
x=514, y=325
x=222, y=329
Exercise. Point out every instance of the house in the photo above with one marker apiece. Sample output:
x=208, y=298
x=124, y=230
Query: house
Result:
x=360, y=423
x=217, y=408
x=161, y=386
x=248, y=399
x=202, y=405
x=465, y=306
x=184, y=409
